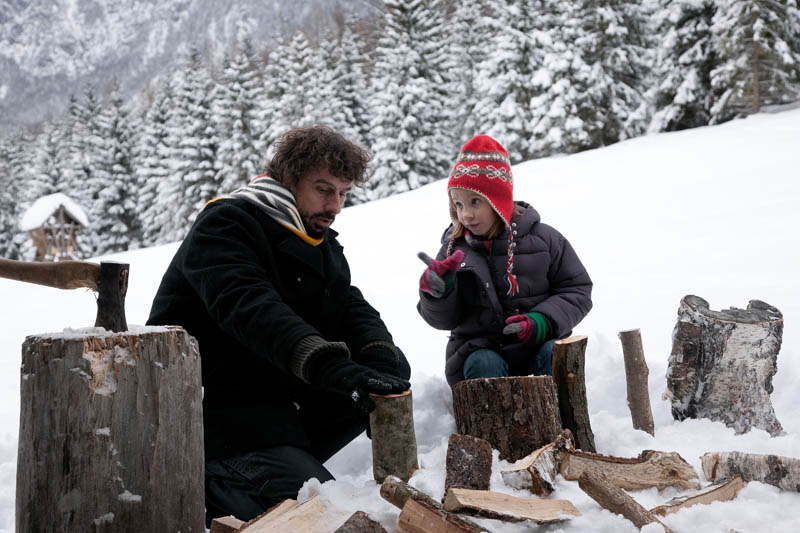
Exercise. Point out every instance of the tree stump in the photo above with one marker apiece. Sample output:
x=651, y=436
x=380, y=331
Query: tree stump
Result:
x=570, y=377
x=111, y=433
x=722, y=363
x=517, y=415
x=394, y=442
x=636, y=374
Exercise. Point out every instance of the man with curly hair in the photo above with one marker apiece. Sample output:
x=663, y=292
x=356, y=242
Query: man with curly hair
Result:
x=290, y=349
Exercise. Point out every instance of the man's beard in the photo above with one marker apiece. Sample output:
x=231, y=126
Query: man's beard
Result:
x=312, y=229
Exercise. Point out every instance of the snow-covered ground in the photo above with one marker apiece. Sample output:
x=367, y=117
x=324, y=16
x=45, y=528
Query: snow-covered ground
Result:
x=711, y=211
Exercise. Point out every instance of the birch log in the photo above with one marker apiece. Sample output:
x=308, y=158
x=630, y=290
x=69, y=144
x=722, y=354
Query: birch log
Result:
x=636, y=374
x=111, y=433
x=722, y=364
x=718, y=492
x=782, y=472
x=394, y=442
x=537, y=472
x=650, y=469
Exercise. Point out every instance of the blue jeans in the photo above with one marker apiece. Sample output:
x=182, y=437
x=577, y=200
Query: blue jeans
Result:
x=485, y=363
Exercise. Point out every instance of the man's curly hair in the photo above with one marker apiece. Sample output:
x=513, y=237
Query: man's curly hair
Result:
x=302, y=150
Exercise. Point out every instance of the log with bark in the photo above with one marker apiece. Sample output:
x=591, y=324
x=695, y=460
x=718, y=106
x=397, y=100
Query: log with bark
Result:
x=718, y=492
x=537, y=472
x=636, y=374
x=650, y=469
x=722, y=364
x=421, y=513
x=616, y=500
x=394, y=442
x=568, y=363
x=360, y=522
x=515, y=414
x=499, y=506
x=468, y=464
x=782, y=472
x=111, y=433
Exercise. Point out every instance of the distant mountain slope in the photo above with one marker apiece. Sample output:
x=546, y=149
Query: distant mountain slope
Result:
x=51, y=48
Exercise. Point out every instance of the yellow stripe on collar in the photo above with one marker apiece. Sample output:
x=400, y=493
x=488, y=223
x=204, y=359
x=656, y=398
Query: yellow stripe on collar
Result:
x=310, y=240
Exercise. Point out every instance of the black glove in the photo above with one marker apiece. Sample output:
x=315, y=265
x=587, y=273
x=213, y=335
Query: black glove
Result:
x=326, y=365
x=382, y=356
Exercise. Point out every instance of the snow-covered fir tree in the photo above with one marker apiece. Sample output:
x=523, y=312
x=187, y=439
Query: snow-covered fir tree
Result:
x=113, y=214
x=611, y=44
x=681, y=94
x=152, y=162
x=47, y=164
x=239, y=159
x=410, y=98
x=758, y=59
x=469, y=29
x=9, y=200
x=562, y=108
x=505, y=76
x=193, y=142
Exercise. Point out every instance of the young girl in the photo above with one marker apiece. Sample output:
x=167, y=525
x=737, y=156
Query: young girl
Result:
x=506, y=285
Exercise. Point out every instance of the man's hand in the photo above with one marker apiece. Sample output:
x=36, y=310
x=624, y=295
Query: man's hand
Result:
x=439, y=275
x=337, y=373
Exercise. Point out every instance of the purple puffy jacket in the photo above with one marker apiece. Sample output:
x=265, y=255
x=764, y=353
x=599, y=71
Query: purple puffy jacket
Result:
x=552, y=281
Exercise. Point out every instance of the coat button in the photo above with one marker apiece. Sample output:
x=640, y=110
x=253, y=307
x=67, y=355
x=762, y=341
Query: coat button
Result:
x=299, y=280
x=487, y=284
x=463, y=264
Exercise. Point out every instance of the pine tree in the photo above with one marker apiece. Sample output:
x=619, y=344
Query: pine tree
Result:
x=759, y=62
x=351, y=83
x=18, y=169
x=193, y=143
x=239, y=160
x=114, y=215
x=9, y=201
x=611, y=44
x=681, y=95
x=152, y=162
x=411, y=90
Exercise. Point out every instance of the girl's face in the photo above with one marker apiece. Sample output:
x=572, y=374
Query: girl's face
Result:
x=473, y=211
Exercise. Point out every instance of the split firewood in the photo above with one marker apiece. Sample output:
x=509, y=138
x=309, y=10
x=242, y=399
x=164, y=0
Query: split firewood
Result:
x=499, y=506
x=469, y=463
x=718, y=492
x=722, y=364
x=420, y=509
x=360, y=522
x=650, y=469
x=515, y=414
x=636, y=373
x=226, y=524
x=782, y=472
x=394, y=443
x=537, y=472
x=570, y=378
x=616, y=500
x=312, y=516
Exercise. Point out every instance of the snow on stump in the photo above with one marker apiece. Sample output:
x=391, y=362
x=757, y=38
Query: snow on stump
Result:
x=722, y=364
x=111, y=433
x=517, y=415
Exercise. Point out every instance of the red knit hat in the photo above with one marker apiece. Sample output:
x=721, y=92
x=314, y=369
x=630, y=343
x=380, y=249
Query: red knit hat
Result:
x=483, y=167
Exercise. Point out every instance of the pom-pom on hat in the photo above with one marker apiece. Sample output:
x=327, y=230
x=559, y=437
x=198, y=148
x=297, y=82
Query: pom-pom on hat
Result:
x=483, y=167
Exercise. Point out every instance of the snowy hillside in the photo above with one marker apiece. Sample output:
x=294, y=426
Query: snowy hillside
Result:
x=710, y=211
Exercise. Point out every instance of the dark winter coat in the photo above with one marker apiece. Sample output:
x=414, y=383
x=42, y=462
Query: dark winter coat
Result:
x=552, y=281
x=248, y=289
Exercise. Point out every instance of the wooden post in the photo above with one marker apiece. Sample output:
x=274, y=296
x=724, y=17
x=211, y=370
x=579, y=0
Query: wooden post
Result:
x=570, y=378
x=516, y=414
x=636, y=373
x=394, y=443
x=722, y=363
x=111, y=433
